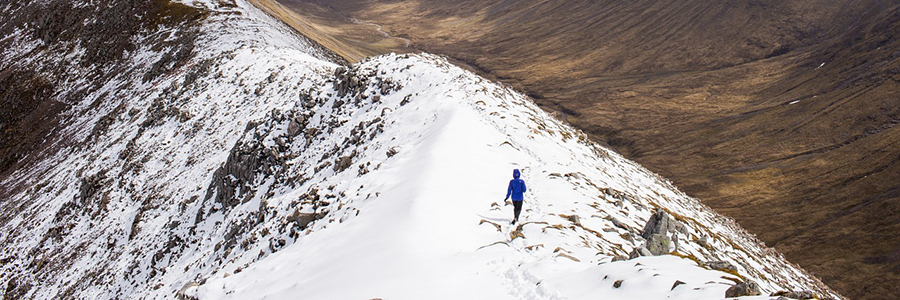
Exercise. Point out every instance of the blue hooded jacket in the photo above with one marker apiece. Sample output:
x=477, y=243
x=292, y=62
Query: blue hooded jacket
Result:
x=516, y=187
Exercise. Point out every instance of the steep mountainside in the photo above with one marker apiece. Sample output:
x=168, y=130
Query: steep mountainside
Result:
x=760, y=108
x=205, y=150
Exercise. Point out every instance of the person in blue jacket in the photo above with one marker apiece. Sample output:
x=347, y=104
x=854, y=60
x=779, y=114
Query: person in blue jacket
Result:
x=516, y=189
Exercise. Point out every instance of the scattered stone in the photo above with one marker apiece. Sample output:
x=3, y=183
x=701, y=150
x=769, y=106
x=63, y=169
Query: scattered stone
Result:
x=182, y=293
x=677, y=283
x=795, y=295
x=296, y=125
x=618, y=283
x=533, y=247
x=617, y=223
x=575, y=219
x=516, y=234
x=741, y=289
x=393, y=151
x=720, y=265
x=302, y=219
x=640, y=251
x=339, y=70
x=343, y=163
x=405, y=100
x=801, y=295
x=703, y=241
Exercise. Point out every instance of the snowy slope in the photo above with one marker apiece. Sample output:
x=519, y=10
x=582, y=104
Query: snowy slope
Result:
x=261, y=169
x=423, y=221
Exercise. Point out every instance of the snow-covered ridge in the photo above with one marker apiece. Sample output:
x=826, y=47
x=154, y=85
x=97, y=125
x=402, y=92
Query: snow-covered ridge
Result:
x=261, y=169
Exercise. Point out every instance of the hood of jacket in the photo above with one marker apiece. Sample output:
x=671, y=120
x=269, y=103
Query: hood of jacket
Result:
x=516, y=173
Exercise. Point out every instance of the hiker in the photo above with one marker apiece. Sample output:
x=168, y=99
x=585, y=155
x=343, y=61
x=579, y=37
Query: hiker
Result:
x=516, y=190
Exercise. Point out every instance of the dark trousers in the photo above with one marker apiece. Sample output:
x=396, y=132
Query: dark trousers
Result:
x=517, y=208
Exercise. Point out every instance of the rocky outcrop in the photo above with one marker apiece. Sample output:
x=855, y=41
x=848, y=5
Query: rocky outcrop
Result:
x=638, y=252
x=656, y=232
x=720, y=265
x=302, y=219
x=658, y=244
x=659, y=223
x=356, y=83
x=741, y=289
x=801, y=295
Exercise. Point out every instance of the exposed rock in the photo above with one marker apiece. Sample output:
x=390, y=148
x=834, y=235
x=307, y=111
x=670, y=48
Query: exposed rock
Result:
x=703, y=241
x=89, y=186
x=741, y=289
x=658, y=244
x=247, y=159
x=182, y=293
x=618, y=283
x=302, y=219
x=516, y=234
x=795, y=295
x=575, y=219
x=659, y=223
x=343, y=163
x=617, y=223
x=676, y=284
x=296, y=125
x=339, y=70
x=619, y=258
x=639, y=251
x=393, y=151
x=801, y=295
x=405, y=100
x=720, y=265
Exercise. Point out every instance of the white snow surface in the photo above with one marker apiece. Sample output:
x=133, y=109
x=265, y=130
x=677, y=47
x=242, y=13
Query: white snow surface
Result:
x=419, y=212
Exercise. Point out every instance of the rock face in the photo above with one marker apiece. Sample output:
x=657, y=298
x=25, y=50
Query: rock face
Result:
x=742, y=289
x=800, y=295
x=656, y=232
x=639, y=251
x=302, y=219
x=659, y=223
x=720, y=265
x=795, y=295
x=658, y=244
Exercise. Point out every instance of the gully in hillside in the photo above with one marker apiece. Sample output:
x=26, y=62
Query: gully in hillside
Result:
x=516, y=189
